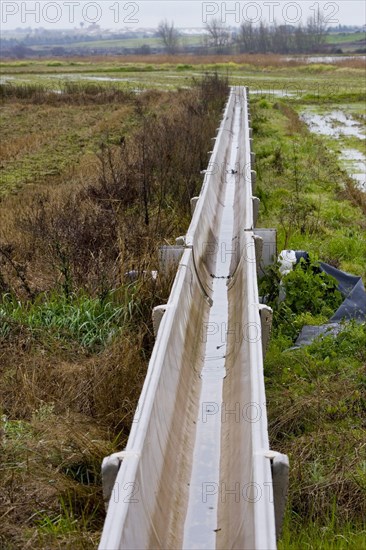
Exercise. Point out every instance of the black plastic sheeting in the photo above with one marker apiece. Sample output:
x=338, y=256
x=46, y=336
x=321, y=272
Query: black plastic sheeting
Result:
x=353, y=307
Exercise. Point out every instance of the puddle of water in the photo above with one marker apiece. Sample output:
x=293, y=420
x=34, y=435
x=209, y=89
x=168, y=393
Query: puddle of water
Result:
x=355, y=163
x=276, y=93
x=103, y=78
x=336, y=124
x=326, y=58
x=4, y=79
x=333, y=124
x=89, y=77
x=352, y=154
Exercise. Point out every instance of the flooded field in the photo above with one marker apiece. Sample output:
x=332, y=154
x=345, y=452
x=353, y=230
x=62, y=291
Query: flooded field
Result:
x=293, y=78
x=335, y=124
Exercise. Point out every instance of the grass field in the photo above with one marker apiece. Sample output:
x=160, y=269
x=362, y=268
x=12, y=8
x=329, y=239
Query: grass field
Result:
x=342, y=37
x=355, y=39
x=78, y=209
x=43, y=144
x=136, y=42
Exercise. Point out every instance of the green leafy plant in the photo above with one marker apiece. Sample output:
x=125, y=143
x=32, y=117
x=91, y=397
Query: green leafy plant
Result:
x=309, y=289
x=311, y=297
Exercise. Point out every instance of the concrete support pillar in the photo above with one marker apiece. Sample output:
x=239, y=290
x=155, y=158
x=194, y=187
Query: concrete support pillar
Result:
x=157, y=315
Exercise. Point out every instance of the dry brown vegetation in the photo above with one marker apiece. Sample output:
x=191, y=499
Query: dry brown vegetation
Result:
x=68, y=394
x=70, y=93
x=111, y=220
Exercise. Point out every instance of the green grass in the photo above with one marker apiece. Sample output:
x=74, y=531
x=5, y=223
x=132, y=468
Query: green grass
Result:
x=340, y=38
x=296, y=536
x=317, y=405
x=120, y=43
x=90, y=322
x=300, y=184
x=316, y=395
x=65, y=523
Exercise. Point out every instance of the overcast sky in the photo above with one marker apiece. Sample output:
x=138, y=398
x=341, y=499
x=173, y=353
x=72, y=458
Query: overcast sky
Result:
x=116, y=14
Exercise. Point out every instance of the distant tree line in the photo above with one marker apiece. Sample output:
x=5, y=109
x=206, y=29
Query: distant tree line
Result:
x=282, y=39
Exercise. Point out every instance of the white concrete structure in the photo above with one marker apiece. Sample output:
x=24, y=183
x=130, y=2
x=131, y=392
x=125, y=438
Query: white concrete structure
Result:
x=196, y=472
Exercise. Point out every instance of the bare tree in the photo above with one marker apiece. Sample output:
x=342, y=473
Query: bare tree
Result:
x=169, y=36
x=300, y=44
x=317, y=30
x=281, y=38
x=264, y=38
x=245, y=37
x=218, y=34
